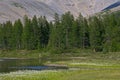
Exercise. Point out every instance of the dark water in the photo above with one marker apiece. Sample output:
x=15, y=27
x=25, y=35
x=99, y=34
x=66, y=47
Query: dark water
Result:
x=9, y=65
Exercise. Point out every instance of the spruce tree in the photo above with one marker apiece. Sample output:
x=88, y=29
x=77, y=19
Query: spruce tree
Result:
x=17, y=31
x=8, y=35
x=96, y=34
x=67, y=29
x=82, y=33
x=44, y=32
x=35, y=32
x=1, y=36
x=27, y=35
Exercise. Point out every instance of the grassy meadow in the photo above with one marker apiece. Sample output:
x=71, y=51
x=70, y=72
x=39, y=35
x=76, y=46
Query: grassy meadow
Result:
x=84, y=66
x=63, y=75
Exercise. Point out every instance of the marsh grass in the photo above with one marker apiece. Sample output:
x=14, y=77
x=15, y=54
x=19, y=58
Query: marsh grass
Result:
x=63, y=75
x=20, y=54
x=78, y=70
x=82, y=66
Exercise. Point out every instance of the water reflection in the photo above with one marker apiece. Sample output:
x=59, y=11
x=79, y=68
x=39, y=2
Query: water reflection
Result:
x=8, y=65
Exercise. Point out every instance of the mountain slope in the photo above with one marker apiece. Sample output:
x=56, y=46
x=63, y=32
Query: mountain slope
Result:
x=117, y=4
x=14, y=9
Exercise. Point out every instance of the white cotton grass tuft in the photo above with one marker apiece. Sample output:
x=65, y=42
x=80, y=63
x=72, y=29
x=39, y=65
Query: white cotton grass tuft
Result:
x=92, y=64
x=26, y=73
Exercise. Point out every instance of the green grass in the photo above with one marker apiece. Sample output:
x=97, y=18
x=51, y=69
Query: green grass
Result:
x=78, y=70
x=82, y=66
x=63, y=75
x=20, y=54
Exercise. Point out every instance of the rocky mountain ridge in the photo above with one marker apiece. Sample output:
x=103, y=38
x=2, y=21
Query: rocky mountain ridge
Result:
x=14, y=9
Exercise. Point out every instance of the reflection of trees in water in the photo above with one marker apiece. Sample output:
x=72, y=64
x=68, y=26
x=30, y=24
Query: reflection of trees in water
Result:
x=8, y=65
x=27, y=64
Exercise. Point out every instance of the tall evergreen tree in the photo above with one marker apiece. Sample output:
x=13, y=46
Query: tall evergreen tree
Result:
x=112, y=30
x=44, y=32
x=17, y=31
x=82, y=33
x=1, y=36
x=56, y=36
x=96, y=34
x=8, y=35
x=67, y=27
x=35, y=32
x=27, y=34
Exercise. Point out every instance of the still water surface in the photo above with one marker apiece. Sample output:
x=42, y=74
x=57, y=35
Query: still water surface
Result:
x=9, y=65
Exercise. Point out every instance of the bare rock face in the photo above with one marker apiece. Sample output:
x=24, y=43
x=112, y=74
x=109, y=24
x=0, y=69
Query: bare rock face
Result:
x=14, y=9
